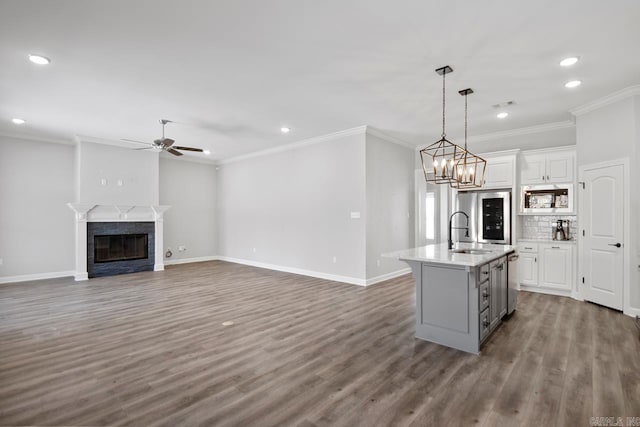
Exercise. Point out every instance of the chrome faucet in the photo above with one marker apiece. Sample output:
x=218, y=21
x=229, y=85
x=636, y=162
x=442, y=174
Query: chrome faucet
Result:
x=457, y=228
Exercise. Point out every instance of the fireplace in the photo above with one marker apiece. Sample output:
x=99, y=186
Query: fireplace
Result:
x=113, y=220
x=120, y=247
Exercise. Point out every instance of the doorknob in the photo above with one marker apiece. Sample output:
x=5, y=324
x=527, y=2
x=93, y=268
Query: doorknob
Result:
x=617, y=245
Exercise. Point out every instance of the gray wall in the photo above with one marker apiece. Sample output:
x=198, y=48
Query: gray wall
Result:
x=190, y=189
x=609, y=133
x=136, y=169
x=390, y=203
x=293, y=207
x=36, y=226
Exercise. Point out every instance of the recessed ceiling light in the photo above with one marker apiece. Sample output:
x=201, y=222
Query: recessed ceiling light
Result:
x=502, y=115
x=39, y=59
x=285, y=129
x=573, y=83
x=207, y=152
x=567, y=62
x=17, y=121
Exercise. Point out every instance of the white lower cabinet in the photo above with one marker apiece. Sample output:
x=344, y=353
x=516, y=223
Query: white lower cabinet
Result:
x=546, y=266
x=556, y=266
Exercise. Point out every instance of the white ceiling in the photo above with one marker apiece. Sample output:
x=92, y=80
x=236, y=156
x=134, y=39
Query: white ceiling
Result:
x=232, y=72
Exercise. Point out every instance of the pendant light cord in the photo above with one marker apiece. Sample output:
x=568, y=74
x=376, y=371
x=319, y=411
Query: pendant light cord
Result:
x=444, y=73
x=465, y=122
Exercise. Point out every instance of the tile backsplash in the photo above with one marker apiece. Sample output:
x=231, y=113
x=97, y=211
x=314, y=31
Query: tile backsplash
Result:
x=539, y=227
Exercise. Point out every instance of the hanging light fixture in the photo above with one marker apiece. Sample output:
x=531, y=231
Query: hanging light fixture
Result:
x=439, y=158
x=468, y=168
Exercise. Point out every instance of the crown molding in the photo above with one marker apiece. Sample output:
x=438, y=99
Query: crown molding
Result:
x=305, y=142
x=379, y=134
x=547, y=127
x=37, y=138
x=606, y=100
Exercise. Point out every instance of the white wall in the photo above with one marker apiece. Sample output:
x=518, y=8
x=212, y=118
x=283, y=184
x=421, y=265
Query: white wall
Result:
x=610, y=133
x=390, y=200
x=293, y=207
x=36, y=226
x=190, y=189
x=137, y=170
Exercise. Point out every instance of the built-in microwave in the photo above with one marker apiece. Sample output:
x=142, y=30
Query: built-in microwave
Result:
x=547, y=199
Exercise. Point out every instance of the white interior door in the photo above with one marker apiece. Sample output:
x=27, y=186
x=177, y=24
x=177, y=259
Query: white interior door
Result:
x=602, y=219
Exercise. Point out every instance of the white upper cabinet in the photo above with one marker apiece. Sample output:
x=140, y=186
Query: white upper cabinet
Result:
x=499, y=172
x=547, y=167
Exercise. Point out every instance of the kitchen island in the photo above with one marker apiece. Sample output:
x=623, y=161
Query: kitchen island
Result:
x=461, y=294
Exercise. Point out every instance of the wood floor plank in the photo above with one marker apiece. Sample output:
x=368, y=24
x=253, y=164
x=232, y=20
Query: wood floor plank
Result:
x=150, y=349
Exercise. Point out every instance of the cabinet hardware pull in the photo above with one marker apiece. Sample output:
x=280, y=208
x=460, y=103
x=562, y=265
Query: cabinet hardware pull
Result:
x=547, y=177
x=543, y=177
x=535, y=259
x=617, y=245
x=555, y=247
x=528, y=248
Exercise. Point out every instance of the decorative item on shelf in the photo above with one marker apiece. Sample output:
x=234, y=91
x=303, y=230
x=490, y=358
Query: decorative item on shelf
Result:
x=469, y=168
x=438, y=159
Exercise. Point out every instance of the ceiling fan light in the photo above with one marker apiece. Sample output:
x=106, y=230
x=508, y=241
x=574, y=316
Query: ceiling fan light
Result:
x=285, y=129
x=573, y=83
x=207, y=152
x=502, y=115
x=17, y=121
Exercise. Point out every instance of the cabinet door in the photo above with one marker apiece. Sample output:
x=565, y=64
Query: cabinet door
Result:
x=559, y=167
x=556, y=266
x=499, y=172
x=533, y=169
x=528, y=268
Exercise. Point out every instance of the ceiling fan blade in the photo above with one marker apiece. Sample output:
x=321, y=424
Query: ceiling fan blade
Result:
x=145, y=148
x=177, y=147
x=174, y=152
x=167, y=142
x=133, y=140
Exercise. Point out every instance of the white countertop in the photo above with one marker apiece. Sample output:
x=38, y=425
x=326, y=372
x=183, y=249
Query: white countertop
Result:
x=570, y=242
x=440, y=254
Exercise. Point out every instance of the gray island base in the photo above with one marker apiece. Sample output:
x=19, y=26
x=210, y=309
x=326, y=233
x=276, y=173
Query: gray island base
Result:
x=461, y=294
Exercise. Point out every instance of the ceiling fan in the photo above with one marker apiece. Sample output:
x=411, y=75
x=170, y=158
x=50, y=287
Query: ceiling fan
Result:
x=165, y=144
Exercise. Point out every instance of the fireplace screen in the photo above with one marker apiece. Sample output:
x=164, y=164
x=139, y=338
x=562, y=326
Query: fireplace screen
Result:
x=121, y=247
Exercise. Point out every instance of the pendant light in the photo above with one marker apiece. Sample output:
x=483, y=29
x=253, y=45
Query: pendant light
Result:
x=439, y=158
x=469, y=168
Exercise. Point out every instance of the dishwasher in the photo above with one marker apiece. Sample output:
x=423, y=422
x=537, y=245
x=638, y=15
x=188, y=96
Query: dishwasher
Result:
x=512, y=295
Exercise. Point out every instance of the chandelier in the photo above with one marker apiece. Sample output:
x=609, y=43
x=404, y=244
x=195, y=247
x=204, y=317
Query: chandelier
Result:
x=469, y=168
x=444, y=162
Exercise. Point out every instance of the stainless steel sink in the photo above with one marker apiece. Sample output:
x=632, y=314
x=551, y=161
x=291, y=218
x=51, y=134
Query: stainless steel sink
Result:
x=470, y=251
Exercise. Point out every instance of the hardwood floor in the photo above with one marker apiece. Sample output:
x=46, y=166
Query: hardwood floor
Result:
x=149, y=349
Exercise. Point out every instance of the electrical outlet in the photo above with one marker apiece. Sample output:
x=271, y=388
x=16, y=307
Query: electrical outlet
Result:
x=254, y=250
x=378, y=263
x=335, y=259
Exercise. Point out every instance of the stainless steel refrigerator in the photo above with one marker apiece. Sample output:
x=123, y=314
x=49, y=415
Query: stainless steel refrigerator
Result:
x=489, y=217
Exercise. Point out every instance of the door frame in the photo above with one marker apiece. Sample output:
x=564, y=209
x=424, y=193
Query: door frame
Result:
x=626, y=223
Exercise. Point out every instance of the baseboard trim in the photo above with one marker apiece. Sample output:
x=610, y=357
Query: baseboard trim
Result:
x=302, y=272
x=632, y=311
x=557, y=292
x=190, y=260
x=388, y=276
x=39, y=276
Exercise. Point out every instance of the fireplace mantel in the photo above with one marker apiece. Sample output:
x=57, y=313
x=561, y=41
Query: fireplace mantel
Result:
x=115, y=213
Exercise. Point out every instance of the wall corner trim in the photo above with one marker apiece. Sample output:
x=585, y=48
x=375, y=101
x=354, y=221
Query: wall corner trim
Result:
x=606, y=100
